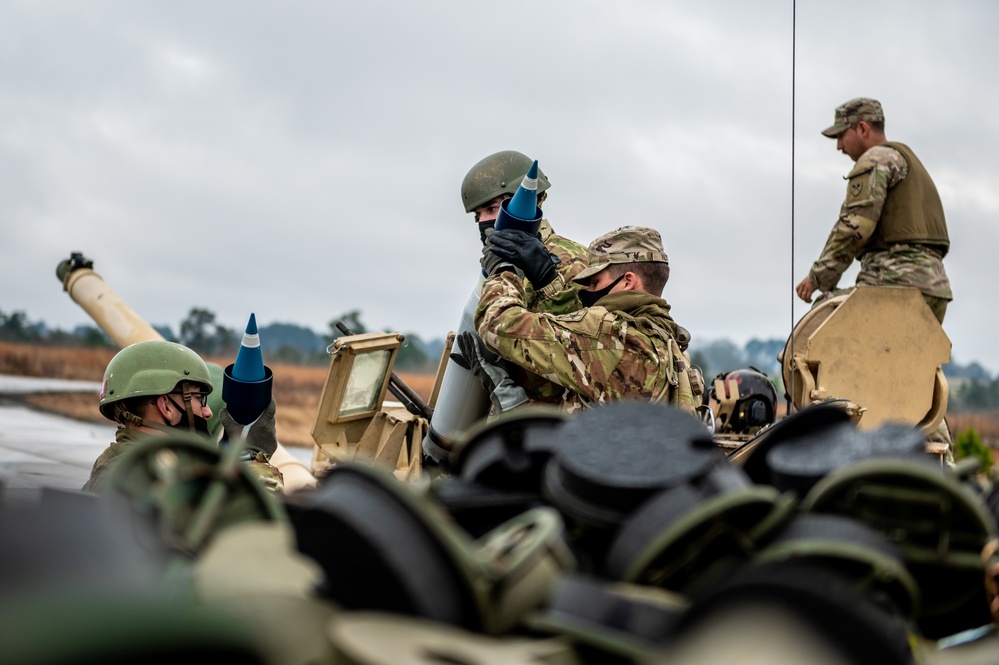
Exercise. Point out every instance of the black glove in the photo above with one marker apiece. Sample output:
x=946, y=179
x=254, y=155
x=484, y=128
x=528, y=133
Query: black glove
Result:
x=491, y=263
x=526, y=252
x=491, y=369
x=261, y=435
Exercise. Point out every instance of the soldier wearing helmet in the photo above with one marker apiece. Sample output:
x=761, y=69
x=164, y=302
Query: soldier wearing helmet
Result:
x=148, y=388
x=485, y=186
x=159, y=387
x=622, y=345
x=747, y=401
x=892, y=219
x=497, y=177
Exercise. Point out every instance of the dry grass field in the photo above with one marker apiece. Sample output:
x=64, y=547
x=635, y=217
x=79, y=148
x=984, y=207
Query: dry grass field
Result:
x=296, y=389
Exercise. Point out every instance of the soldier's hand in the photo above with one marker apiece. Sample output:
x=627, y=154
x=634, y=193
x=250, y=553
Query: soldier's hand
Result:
x=473, y=354
x=491, y=370
x=805, y=289
x=492, y=263
x=526, y=252
x=261, y=435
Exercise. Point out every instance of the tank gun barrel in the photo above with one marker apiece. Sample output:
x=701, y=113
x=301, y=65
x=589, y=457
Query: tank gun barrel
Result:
x=112, y=314
x=125, y=327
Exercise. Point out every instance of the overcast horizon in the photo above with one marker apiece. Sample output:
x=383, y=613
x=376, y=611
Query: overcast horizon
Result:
x=303, y=160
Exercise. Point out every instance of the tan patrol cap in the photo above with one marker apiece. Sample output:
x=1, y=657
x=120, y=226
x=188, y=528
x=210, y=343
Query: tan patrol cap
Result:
x=628, y=244
x=852, y=112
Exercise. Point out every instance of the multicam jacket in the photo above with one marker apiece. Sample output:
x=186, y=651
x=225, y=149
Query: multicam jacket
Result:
x=123, y=438
x=558, y=297
x=624, y=347
x=913, y=264
x=257, y=463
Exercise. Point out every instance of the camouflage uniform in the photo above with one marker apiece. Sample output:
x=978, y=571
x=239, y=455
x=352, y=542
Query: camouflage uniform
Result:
x=498, y=176
x=153, y=368
x=626, y=346
x=871, y=183
x=558, y=297
x=123, y=438
x=257, y=462
x=902, y=262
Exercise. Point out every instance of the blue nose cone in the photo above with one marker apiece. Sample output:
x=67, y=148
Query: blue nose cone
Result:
x=525, y=199
x=522, y=211
x=246, y=384
x=249, y=361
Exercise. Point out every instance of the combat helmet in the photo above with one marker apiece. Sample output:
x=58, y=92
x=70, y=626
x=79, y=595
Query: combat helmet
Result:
x=499, y=173
x=747, y=400
x=148, y=369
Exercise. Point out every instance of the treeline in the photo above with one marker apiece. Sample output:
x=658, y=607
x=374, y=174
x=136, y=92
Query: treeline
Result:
x=200, y=330
x=972, y=387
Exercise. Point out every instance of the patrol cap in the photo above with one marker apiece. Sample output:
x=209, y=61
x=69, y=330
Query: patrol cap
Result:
x=628, y=244
x=852, y=112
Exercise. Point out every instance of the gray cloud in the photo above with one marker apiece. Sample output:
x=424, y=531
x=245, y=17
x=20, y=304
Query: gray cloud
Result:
x=302, y=160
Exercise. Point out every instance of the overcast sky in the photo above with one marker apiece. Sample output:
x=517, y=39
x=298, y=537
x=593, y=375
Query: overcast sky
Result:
x=302, y=159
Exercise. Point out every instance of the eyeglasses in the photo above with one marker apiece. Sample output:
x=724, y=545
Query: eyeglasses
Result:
x=203, y=397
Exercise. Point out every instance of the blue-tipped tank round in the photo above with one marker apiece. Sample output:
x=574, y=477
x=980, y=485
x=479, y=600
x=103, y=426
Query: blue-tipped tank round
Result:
x=247, y=383
x=525, y=199
x=522, y=211
x=249, y=365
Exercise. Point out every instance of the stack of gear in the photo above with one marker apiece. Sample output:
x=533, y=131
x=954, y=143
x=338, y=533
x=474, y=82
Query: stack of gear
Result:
x=621, y=534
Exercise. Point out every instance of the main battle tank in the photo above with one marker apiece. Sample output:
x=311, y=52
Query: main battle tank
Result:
x=621, y=534
x=877, y=353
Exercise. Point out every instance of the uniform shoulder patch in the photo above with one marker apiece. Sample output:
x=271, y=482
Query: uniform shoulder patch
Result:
x=572, y=317
x=858, y=191
x=588, y=321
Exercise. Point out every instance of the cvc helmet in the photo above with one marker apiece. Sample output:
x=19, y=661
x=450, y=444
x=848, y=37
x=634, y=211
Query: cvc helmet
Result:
x=150, y=368
x=499, y=173
x=747, y=400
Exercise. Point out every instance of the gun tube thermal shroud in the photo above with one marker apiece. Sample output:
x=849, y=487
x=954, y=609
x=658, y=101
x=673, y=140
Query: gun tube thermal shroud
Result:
x=462, y=400
x=112, y=314
x=247, y=383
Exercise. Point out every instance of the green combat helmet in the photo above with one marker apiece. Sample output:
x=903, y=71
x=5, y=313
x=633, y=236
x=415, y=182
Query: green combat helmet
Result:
x=149, y=369
x=499, y=173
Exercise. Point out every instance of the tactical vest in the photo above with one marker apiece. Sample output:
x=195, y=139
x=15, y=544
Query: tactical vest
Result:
x=912, y=212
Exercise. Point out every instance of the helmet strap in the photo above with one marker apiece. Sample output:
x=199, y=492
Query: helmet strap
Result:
x=126, y=417
x=186, y=392
x=123, y=416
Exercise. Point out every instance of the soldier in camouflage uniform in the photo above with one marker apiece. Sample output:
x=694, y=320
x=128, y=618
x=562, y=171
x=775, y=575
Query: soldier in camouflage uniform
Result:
x=622, y=345
x=140, y=391
x=892, y=219
x=497, y=177
x=484, y=187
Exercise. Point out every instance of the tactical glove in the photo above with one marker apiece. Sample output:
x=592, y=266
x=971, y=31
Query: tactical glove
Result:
x=490, y=369
x=492, y=263
x=526, y=252
x=261, y=436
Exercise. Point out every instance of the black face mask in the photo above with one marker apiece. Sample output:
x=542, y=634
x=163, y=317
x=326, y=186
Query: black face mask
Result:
x=588, y=298
x=483, y=226
x=200, y=424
